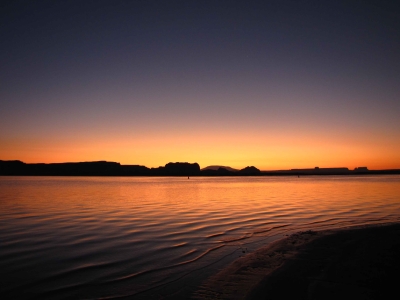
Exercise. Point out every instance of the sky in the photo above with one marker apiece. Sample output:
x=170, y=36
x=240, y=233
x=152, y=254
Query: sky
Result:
x=274, y=84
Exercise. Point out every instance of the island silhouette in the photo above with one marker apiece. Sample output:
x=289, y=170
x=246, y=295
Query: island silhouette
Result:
x=105, y=168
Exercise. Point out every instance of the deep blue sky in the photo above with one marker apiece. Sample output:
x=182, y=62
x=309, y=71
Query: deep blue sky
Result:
x=270, y=83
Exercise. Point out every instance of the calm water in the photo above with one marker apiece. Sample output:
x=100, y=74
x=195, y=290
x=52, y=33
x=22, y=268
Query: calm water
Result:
x=90, y=237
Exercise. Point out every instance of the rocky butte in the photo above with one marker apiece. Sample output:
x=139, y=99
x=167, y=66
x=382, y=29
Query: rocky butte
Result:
x=105, y=168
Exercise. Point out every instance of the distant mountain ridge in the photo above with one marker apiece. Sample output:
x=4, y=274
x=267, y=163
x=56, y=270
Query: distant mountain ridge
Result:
x=215, y=167
x=105, y=168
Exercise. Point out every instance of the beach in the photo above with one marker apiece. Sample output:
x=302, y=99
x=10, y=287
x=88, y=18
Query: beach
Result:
x=352, y=263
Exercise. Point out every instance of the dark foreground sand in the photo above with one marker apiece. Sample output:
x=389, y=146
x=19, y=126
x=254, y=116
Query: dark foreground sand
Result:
x=354, y=263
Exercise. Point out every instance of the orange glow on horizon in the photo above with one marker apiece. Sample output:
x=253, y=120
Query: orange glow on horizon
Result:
x=268, y=152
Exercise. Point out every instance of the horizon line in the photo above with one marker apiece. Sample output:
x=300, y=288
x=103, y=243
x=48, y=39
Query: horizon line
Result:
x=213, y=165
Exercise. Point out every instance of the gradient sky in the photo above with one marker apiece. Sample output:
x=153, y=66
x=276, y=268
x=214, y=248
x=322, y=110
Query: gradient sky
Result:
x=274, y=84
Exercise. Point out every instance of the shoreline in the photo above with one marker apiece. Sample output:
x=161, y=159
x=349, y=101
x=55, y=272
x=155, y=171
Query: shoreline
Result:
x=360, y=262
x=180, y=169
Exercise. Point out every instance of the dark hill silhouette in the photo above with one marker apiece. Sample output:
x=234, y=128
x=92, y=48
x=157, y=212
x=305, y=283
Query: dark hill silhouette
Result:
x=96, y=168
x=12, y=167
x=249, y=171
x=182, y=169
x=214, y=167
x=128, y=170
x=219, y=172
x=177, y=169
x=361, y=170
x=105, y=168
x=323, y=171
x=64, y=169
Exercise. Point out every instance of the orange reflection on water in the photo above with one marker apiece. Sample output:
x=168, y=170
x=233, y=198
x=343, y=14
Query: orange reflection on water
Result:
x=127, y=233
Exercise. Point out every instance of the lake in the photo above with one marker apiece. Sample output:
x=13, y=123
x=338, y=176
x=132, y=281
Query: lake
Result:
x=154, y=237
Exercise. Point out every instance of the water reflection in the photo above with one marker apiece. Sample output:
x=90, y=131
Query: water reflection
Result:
x=86, y=237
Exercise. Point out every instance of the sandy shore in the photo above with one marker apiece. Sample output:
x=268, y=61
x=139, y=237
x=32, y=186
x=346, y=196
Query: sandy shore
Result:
x=353, y=263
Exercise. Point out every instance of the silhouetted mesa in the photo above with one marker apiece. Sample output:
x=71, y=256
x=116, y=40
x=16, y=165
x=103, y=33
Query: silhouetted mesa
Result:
x=182, y=169
x=97, y=168
x=322, y=171
x=104, y=168
x=177, y=169
x=361, y=170
x=12, y=167
x=63, y=169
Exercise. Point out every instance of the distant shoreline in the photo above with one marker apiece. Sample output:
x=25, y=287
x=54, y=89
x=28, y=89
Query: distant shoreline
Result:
x=104, y=168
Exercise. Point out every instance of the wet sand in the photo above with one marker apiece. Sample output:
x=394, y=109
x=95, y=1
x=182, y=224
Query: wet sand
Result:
x=352, y=263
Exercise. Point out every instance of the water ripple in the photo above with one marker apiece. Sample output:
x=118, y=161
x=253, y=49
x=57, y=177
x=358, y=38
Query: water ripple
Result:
x=114, y=237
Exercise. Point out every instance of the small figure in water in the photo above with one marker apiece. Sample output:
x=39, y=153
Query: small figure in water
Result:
x=188, y=177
